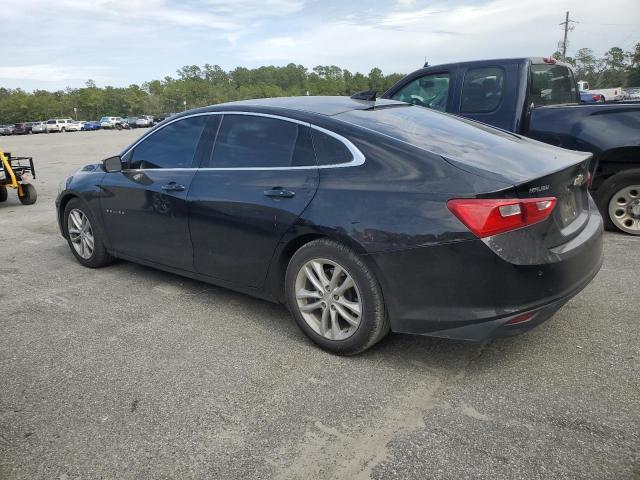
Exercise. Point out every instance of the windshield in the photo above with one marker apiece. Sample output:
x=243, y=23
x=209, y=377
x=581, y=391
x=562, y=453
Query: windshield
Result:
x=551, y=85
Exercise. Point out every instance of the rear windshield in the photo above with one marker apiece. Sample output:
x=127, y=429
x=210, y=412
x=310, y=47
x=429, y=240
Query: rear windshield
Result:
x=421, y=127
x=551, y=85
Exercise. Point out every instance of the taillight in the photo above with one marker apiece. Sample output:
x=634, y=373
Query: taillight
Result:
x=596, y=98
x=486, y=217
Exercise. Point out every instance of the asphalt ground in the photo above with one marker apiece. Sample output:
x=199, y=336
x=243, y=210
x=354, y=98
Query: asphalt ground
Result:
x=129, y=372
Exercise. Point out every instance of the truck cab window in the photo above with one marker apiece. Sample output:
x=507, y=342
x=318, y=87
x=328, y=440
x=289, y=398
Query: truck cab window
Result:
x=551, y=85
x=430, y=91
x=482, y=90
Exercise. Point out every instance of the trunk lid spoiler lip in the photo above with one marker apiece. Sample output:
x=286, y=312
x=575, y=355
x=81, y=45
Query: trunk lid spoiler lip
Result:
x=518, y=182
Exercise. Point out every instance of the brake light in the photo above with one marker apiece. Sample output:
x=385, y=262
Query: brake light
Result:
x=491, y=216
x=596, y=98
x=550, y=60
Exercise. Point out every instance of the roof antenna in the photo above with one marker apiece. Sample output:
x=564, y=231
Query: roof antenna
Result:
x=367, y=95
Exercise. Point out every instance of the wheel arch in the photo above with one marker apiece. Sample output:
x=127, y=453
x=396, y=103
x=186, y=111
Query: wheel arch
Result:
x=290, y=245
x=614, y=161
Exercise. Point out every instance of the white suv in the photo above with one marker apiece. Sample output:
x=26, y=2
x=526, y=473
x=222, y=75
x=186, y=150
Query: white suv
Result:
x=111, y=122
x=144, y=121
x=58, y=124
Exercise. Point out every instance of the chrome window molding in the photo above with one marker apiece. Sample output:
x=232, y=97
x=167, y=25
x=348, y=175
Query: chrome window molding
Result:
x=358, y=157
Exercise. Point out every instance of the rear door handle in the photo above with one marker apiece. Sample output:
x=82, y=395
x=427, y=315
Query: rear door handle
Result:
x=172, y=187
x=279, y=192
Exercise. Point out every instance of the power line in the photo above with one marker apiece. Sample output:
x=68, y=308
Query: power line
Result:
x=607, y=24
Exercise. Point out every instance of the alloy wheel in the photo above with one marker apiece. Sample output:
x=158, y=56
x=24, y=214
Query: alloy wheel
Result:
x=80, y=233
x=328, y=299
x=624, y=209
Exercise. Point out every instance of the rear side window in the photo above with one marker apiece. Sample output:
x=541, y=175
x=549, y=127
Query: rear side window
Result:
x=248, y=141
x=482, y=90
x=551, y=85
x=330, y=150
x=173, y=146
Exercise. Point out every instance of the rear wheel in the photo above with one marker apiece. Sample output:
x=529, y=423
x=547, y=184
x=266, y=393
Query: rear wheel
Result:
x=3, y=194
x=83, y=235
x=63, y=129
x=619, y=201
x=335, y=298
x=29, y=194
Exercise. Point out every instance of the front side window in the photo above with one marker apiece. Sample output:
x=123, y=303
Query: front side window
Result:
x=482, y=90
x=173, y=146
x=248, y=141
x=430, y=91
x=551, y=85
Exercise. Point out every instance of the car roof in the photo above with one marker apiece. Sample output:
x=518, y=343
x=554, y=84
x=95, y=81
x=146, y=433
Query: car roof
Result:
x=321, y=105
x=497, y=61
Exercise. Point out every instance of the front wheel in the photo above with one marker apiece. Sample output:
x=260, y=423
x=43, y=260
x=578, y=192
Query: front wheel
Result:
x=3, y=194
x=335, y=298
x=619, y=201
x=83, y=235
x=29, y=194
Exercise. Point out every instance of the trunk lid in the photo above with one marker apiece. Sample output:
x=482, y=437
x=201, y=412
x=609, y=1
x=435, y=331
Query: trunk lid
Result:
x=570, y=186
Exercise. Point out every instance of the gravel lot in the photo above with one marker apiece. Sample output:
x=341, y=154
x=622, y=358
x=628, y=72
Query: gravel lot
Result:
x=128, y=372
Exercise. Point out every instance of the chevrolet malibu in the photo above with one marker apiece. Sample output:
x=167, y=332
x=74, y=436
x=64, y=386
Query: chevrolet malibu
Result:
x=363, y=217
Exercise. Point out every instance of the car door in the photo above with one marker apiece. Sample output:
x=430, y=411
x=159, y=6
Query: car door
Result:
x=144, y=207
x=257, y=181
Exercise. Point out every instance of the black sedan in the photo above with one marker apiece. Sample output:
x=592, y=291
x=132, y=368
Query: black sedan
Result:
x=363, y=217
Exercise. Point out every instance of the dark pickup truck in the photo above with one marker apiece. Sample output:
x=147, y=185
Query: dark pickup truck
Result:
x=539, y=98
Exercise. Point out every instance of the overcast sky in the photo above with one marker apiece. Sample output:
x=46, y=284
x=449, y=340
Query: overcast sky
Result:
x=57, y=43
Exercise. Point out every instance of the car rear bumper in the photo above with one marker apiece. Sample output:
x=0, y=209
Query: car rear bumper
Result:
x=464, y=290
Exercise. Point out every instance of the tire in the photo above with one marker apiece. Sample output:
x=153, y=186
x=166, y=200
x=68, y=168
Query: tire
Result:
x=30, y=194
x=98, y=257
x=63, y=130
x=347, y=338
x=3, y=194
x=618, y=200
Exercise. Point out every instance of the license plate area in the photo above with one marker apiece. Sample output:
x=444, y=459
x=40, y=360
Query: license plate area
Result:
x=568, y=207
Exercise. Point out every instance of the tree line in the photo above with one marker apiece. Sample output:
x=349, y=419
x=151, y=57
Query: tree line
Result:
x=617, y=68
x=210, y=84
x=195, y=85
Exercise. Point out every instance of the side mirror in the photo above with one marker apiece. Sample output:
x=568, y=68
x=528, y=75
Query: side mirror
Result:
x=112, y=164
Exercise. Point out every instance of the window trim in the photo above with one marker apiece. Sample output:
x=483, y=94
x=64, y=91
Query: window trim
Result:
x=358, y=157
x=464, y=78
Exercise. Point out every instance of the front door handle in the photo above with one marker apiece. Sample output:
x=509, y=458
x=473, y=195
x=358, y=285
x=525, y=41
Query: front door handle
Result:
x=279, y=192
x=172, y=187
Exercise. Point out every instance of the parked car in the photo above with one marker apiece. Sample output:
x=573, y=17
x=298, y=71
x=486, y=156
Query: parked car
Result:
x=538, y=98
x=144, y=121
x=23, y=128
x=58, y=124
x=39, y=127
x=92, y=125
x=163, y=117
x=6, y=129
x=587, y=97
x=111, y=122
x=362, y=217
x=130, y=122
x=74, y=126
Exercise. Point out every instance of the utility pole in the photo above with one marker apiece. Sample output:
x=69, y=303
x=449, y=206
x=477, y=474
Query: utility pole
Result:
x=566, y=32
